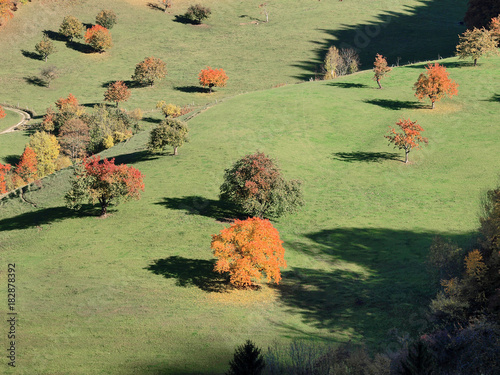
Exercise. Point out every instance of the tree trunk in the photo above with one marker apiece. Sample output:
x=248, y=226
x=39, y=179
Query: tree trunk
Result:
x=175, y=151
x=379, y=85
x=432, y=106
x=46, y=58
x=104, y=206
x=406, y=156
x=475, y=62
x=116, y=104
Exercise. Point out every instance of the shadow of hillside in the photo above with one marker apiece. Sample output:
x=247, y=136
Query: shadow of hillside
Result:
x=427, y=31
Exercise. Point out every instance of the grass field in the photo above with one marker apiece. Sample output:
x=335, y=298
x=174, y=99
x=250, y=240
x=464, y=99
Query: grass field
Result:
x=134, y=293
x=11, y=118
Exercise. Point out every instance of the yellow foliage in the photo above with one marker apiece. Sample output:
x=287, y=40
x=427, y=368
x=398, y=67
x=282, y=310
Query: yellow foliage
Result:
x=107, y=141
x=46, y=148
x=474, y=265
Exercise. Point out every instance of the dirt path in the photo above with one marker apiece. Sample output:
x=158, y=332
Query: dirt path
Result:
x=25, y=118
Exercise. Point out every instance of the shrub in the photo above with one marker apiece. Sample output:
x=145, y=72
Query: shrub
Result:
x=255, y=185
x=197, y=13
x=48, y=74
x=71, y=28
x=149, y=70
x=2, y=112
x=106, y=18
x=340, y=62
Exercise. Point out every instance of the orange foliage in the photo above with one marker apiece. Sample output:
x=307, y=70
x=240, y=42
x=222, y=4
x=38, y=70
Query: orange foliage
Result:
x=212, y=78
x=117, y=92
x=5, y=11
x=98, y=37
x=435, y=84
x=495, y=27
x=380, y=68
x=27, y=166
x=2, y=112
x=408, y=138
x=474, y=264
x=246, y=249
x=4, y=169
x=67, y=104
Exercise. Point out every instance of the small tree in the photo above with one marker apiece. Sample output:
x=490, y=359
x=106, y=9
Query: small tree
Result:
x=476, y=43
x=2, y=113
x=48, y=74
x=408, y=136
x=332, y=61
x=117, y=92
x=170, y=132
x=71, y=28
x=149, y=70
x=212, y=78
x=98, y=38
x=74, y=137
x=4, y=170
x=169, y=110
x=27, y=166
x=255, y=185
x=435, y=84
x=197, y=13
x=46, y=149
x=45, y=47
x=264, y=11
x=106, y=18
x=105, y=183
x=247, y=360
x=247, y=249
x=380, y=69
x=67, y=104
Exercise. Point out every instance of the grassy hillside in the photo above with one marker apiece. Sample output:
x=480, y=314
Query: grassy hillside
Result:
x=134, y=293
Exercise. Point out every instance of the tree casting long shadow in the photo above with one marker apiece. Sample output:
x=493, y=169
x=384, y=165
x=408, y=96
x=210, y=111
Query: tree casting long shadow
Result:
x=367, y=157
x=196, y=205
x=191, y=272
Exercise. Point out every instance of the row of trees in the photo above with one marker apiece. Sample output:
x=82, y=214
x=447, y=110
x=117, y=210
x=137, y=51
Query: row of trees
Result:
x=477, y=42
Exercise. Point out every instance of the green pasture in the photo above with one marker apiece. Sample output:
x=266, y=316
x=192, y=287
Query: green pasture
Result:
x=11, y=118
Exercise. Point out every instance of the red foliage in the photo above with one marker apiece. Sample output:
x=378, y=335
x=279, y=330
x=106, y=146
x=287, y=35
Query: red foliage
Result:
x=94, y=29
x=117, y=92
x=3, y=171
x=67, y=104
x=495, y=27
x=98, y=37
x=2, y=112
x=435, y=84
x=27, y=166
x=246, y=249
x=408, y=138
x=212, y=78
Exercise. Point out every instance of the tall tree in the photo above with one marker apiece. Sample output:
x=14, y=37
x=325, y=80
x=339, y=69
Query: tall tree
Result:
x=476, y=43
x=46, y=149
x=105, y=183
x=45, y=47
x=435, y=84
x=332, y=61
x=71, y=28
x=170, y=132
x=27, y=168
x=117, y=92
x=380, y=69
x=74, y=138
x=98, y=38
x=212, y=78
x=407, y=137
x=149, y=70
x=247, y=249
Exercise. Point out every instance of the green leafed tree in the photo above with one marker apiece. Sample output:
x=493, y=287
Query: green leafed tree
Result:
x=106, y=18
x=170, y=132
x=476, y=43
x=45, y=48
x=71, y=28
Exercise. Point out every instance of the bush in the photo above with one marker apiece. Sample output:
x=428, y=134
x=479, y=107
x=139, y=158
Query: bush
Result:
x=169, y=110
x=45, y=47
x=197, y=13
x=340, y=62
x=106, y=18
x=48, y=74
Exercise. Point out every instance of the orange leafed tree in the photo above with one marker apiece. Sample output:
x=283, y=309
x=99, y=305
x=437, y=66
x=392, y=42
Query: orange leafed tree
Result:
x=407, y=137
x=495, y=28
x=67, y=104
x=247, y=249
x=117, y=92
x=435, y=84
x=4, y=169
x=2, y=112
x=99, y=38
x=5, y=11
x=27, y=168
x=212, y=78
x=380, y=69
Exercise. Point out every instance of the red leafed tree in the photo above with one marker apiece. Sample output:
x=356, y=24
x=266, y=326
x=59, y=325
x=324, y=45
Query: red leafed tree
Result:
x=212, y=78
x=380, y=69
x=27, y=168
x=407, y=137
x=105, y=183
x=435, y=84
x=99, y=38
x=67, y=104
x=495, y=28
x=247, y=249
x=4, y=169
x=117, y=92
x=2, y=112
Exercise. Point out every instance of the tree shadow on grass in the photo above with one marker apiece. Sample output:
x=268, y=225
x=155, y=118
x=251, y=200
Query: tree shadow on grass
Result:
x=54, y=35
x=495, y=98
x=192, y=89
x=447, y=64
x=152, y=120
x=156, y=7
x=35, y=81
x=191, y=272
x=31, y=55
x=367, y=157
x=12, y=159
x=80, y=47
x=129, y=83
x=196, y=205
x=134, y=157
x=348, y=85
x=181, y=18
x=395, y=105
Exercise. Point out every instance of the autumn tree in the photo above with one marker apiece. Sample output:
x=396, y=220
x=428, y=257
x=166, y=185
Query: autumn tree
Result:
x=170, y=132
x=48, y=74
x=74, y=138
x=380, y=69
x=5, y=11
x=212, y=78
x=46, y=149
x=476, y=43
x=149, y=70
x=247, y=250
x=435, y=84
x=164, y=4
x=406, y=137
x=98, y=38
x=255, y=184
x=117, y=92
x=264, y=11
x=495, y=28
x=27, y=168
x=169, y=110
x=4, y=170
x=340, y=62
x=105, y=183
x=45, y=47
x=71, y=28
x=67, y=104
x=197, y=13
x=106, y=18
x=2, y=112
x=332, y=60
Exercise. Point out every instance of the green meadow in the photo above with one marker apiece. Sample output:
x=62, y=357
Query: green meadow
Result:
x=135, y=293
